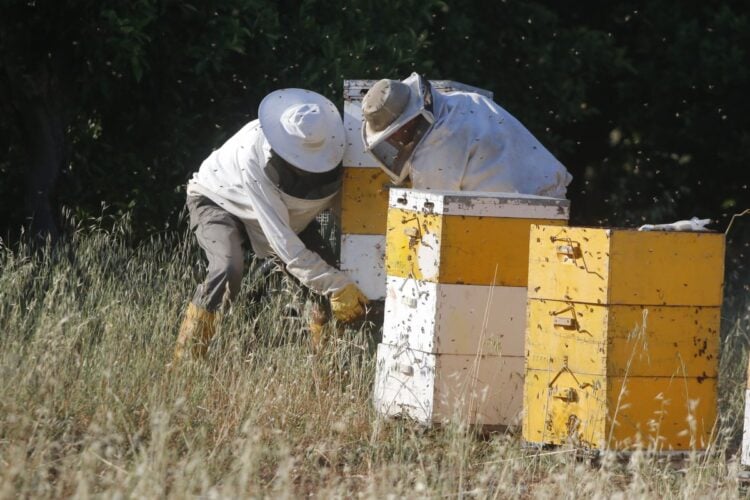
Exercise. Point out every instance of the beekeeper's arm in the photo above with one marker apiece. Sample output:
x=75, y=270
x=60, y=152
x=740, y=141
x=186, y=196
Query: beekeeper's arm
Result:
x=347, y=300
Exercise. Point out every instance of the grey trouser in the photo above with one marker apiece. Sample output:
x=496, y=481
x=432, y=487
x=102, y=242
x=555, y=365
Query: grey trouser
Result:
x=223, y=238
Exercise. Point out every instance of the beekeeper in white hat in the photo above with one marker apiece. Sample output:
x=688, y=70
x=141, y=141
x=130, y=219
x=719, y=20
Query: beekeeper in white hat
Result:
x=458, y=141
x=264, y=187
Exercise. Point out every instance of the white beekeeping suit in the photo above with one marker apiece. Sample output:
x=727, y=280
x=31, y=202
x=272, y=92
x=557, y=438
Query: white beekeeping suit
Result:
x=458, y=141
x=266, y=184
x=233, y=177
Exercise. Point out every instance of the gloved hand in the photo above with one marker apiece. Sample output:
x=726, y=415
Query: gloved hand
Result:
x=348, y=303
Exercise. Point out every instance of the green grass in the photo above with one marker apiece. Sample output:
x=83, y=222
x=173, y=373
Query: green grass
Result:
x=89, y=406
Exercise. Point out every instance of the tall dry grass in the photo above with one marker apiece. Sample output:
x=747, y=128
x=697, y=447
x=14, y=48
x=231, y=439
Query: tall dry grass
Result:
x=90, y=408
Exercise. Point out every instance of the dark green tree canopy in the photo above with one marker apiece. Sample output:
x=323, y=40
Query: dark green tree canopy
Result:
x=118, y=102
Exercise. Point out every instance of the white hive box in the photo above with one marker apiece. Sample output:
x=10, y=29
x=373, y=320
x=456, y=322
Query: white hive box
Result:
x=441, y=388
x=364, y=195
x=435, y=317
x=455, y=307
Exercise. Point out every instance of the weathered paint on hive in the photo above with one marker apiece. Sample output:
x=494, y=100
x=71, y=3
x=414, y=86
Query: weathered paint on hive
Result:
x=458, y=249
x=404, y=383
x=510, y=205
x=561, y=406
x=442, y=387
x=456, y=282
x=362, y=259
x=560, y=335
x=619, y=266
x=486, y=250
x=623, y=340
x=479, y=204
x=567, y=263
x=364, y=201
x=679, y=341
x=662, y=413
x=622, y=358
x=492, y=318
x=454, y=319
x=668, y=413
x=674, y=268
x=413, y=245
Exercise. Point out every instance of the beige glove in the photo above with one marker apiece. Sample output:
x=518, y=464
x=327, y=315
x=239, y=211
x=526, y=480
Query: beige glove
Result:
x=348, y=303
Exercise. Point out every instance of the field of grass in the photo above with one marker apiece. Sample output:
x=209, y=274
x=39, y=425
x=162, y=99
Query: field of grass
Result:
x=90, y=408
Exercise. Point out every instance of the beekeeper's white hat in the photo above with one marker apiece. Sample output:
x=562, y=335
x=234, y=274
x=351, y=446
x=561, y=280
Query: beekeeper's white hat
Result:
x=304, y=128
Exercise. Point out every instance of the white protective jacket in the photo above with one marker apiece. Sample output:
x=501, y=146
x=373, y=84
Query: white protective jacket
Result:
x=233, y=178
x=475, y=145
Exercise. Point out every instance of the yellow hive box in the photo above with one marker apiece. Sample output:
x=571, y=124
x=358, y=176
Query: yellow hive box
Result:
x=467, y=239
x=622, y=337
x=626, y=266
x=364, y=200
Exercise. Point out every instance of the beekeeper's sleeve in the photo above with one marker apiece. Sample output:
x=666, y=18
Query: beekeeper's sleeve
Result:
x=304, y=264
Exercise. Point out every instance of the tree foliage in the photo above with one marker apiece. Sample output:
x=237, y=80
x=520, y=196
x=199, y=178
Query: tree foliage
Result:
x=647, y=110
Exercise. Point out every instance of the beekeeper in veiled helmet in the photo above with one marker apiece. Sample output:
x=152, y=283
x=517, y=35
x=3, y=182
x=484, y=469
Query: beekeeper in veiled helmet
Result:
x=458, y=141
x=264, y=187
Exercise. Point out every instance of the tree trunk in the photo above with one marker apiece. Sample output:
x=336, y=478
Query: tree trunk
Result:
x=34, y=99
x=45, y=139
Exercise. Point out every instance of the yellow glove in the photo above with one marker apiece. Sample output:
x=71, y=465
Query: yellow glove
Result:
x=348, y=303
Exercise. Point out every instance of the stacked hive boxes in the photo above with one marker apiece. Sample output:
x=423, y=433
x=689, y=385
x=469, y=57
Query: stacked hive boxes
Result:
x=364, y=201
x=622, y=337
x=453, y=333
x=364, y=195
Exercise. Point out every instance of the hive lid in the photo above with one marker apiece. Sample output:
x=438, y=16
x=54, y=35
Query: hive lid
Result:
x=479, y=204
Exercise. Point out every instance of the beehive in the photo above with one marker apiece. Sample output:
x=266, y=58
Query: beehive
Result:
x=622, y=337
x=364, y=195
x=453, y=332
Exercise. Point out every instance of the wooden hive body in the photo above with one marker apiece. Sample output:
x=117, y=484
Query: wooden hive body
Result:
x=622, y=337
x=456, y=266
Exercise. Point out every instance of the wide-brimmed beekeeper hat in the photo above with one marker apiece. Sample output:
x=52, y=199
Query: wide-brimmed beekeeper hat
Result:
x=388, y=106
x=304, y=128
